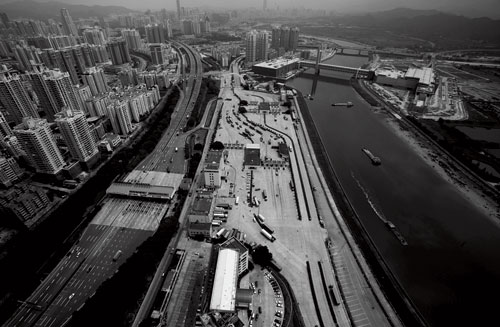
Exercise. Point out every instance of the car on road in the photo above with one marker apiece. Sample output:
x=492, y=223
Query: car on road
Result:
x=71, y=296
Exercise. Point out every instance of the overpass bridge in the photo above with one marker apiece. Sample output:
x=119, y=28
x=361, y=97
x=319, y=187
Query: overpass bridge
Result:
x=356, y=72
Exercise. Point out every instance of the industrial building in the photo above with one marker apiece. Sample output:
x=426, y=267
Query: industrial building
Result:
x=277, y=68
x=147, y=184
x=226, y=275
x=419, y=80
x=235, y=244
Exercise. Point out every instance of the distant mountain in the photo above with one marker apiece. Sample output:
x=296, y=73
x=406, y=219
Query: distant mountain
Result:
x=45, y=10
x=431, y=25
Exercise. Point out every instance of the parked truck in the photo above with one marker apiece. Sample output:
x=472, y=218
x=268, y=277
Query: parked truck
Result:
x=267, y=235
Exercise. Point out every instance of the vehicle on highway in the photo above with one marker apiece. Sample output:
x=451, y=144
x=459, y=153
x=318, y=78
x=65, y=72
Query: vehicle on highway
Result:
x=71, y=296
x=117, y=255
x=176, y=149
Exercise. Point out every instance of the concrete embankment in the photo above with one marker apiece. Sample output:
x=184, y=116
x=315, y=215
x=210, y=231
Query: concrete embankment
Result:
x=391, y=287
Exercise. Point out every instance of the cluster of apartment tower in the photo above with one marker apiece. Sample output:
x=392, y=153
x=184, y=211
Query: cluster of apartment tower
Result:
x=264, y=45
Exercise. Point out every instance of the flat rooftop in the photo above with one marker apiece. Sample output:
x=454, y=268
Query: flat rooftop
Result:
x=155, y=178
x=130, y=213
x=212, y=160
x=424, y=75
x=224, y=289
x=277, y=63
x=201, y=205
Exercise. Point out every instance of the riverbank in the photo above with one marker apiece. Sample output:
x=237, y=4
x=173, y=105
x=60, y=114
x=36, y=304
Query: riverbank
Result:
x=446, y=170
x=445, y=166
x=385, y=278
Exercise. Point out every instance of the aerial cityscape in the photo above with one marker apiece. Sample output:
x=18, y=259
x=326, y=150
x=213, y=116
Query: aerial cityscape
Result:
x=264, y=164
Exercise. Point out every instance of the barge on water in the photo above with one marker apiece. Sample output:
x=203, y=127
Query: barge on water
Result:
x=347, y=104
x=375, y=160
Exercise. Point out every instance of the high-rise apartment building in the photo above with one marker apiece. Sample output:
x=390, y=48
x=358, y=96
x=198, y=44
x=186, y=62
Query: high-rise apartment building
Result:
x=95, y=79
x=275, y=37
x=54, y=90
x=4, y=126
x=155, y=33
x=262, y=46
x=257, y=45
x=76, y=133
x=285, y=38
x=187, y=27
x=118, y=52
x=9, y=171
x=251, y=47
x=94, y=36
x=69, y=27
x=294, y=39
x=132, y=38
x=38, y=143
x=119, y=115
x=157, y=51
x=15, y=99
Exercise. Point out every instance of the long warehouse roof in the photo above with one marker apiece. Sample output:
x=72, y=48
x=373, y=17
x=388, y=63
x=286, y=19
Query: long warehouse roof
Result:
x=226, y=274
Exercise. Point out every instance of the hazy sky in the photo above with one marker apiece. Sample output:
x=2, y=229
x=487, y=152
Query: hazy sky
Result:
x=472, y=7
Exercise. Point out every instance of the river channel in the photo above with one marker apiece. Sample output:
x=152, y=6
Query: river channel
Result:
x=451, y=265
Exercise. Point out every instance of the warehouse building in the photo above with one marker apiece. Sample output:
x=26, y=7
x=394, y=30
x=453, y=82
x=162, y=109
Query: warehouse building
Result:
x=277, y=68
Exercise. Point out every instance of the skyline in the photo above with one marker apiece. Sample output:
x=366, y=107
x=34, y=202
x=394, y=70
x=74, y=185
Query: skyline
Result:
x=481, y=8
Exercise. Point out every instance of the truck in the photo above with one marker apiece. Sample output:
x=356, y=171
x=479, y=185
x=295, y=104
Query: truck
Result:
x=219, y=233
x=261, y=218
x=264, y=195
x=237, y=200
x=267, y=235
x=266, y=228
x=117, y=255
x=256, y=201
x=176, y=149
x=220, y=215
x=216, y=222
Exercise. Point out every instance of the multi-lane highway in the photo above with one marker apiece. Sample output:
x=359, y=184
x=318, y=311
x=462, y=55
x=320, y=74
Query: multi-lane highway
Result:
x=164, y=157
x=161, y=157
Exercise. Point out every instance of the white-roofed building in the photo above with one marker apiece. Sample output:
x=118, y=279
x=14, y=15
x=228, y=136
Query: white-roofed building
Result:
x=226, y=275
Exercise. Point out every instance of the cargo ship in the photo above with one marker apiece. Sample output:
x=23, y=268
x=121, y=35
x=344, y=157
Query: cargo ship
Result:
x=347, y=104
x=375, y=160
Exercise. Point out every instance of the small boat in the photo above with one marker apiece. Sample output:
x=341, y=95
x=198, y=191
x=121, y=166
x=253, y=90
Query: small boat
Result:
x=375, y=160
x=347, y=104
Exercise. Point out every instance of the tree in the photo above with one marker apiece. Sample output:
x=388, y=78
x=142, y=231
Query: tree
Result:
x=217, y=146
x=261, y=255
x=243, y=103
x=242, y=110
x=198, y=147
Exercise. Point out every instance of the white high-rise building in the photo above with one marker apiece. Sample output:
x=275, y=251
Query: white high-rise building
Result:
x=54, y=90
x=119, y=115
x=95, y=79
x=76, y=133
x=67, y=22
x=262, y=47
x=38, y=143
x=132, y=38
x=15, y=99
x=251, y=47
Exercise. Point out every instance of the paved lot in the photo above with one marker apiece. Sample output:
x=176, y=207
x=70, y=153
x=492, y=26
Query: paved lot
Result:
x=297, y=241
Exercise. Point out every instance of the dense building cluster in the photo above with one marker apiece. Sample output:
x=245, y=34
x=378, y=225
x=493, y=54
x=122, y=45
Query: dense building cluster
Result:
x=70, y=92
